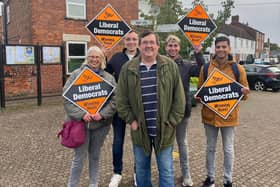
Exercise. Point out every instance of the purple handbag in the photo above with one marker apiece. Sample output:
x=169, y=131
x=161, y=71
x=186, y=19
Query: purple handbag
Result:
x=72, y=134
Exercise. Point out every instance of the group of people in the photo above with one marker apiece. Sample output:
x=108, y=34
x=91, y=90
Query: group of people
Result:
x=153, y=98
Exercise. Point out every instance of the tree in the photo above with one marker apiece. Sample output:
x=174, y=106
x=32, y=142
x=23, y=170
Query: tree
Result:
x=273, y=46
x=222, y=17
x=171, y=12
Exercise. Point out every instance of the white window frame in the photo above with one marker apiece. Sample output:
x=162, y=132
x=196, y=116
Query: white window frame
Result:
x=68, y=15
x=73, y=57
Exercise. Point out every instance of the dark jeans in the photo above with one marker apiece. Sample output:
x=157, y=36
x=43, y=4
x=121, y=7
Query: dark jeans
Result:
x=118, y=141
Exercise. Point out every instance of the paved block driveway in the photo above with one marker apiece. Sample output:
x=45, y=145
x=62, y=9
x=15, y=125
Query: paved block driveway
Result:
x=30, y=154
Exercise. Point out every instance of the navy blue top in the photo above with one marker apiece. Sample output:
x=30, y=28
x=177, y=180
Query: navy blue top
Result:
x=116, y=62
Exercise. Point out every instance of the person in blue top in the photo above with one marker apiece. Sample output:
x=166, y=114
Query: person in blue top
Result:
x=114, y=67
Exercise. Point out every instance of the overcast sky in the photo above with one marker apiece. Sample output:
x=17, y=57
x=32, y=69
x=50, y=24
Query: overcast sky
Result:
x=262, y=15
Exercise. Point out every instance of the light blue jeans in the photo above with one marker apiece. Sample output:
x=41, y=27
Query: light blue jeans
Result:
x=182, y=142
x=92, y=146
x=228, y=148
x=143, y=167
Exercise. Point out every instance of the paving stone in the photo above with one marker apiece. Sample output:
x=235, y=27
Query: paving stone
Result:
x=31, y=155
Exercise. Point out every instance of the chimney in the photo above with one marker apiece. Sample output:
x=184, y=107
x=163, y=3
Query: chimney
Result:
x=235, y=19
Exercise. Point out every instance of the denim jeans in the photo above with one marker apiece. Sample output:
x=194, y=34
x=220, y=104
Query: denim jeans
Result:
x=143, y=167
x=92, y=146
x=228, y=148
x=118, y=141
x=182, y=142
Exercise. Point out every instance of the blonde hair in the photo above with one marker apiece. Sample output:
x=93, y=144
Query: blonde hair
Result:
x=95, y=49
x=172, y=37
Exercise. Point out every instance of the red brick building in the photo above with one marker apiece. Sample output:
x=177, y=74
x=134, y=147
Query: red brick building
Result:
x=53, y=22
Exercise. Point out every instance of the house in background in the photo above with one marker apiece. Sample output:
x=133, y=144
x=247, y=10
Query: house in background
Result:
x=53, y=22
x=244, y=40
x=257, y=35
x=242, y=44
x=60, y=22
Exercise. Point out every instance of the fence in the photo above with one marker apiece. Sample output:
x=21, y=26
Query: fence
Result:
x=31, y=71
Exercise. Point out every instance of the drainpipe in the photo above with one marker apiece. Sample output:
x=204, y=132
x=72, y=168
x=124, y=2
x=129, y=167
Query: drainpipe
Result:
x=4, y=22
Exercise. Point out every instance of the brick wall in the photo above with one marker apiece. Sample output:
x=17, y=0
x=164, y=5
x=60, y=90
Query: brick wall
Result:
x=19, y=28
x=44, y=22
x=49, y=24
x=51, y=78
x=259, y=44
x=20, y=80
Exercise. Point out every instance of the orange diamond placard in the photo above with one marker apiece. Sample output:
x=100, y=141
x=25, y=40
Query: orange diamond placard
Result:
x=197, y=25
x=108, y=27
x=220, y=93
x=89, y=91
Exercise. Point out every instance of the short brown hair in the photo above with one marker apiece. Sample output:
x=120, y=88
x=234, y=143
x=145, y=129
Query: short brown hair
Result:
x=146, y=33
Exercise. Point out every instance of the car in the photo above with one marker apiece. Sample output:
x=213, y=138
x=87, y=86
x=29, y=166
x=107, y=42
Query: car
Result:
x=264, y=62
x=261, y=77
x=269, y=61
x=242, y=62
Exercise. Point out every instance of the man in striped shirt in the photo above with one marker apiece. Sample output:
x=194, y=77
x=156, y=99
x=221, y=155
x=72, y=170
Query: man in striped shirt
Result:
x=150, y=97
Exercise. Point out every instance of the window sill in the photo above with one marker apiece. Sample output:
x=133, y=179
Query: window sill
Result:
x=75, y=19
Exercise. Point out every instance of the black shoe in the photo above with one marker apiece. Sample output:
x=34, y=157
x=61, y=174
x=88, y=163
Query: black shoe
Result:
x=208, y=183
x=228, y=184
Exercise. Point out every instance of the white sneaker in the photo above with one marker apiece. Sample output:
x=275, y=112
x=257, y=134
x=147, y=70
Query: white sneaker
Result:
x=135, y=182
x=115, y=180
x=187, y=182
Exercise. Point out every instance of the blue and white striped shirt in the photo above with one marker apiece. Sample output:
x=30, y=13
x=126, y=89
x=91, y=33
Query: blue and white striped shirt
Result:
x=149, y=96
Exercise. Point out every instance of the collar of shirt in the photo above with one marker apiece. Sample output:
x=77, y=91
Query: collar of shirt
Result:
x=149, y=65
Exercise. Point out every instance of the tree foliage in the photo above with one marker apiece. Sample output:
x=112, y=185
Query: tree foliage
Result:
x=172, y=11
x=273, y=46
x=221, y=18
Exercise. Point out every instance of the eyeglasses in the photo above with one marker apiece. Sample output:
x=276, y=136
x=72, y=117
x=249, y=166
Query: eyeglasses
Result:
x=148, y=42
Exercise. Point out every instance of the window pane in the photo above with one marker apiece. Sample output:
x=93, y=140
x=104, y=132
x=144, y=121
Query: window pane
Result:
x=76, y=11
x=74, y=64
x=76, y=49
x=76, y=1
